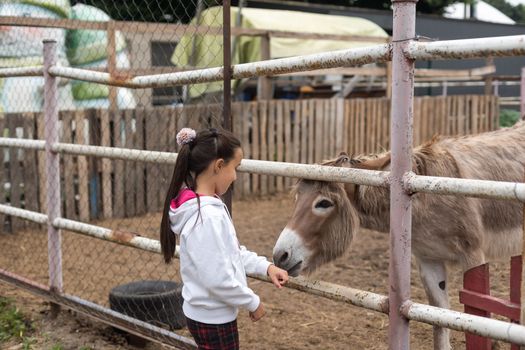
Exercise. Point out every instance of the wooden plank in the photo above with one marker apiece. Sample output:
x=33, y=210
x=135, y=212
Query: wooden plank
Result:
x=140, y=167
x=280, y=142
x=468, y=113
x=82, y=138
x=271, y=142
x=255, y=144
x=263, y=132
x=386, y=123
x=130, y=184
x=30, y=169
x=94, y=164
x=319, y=124
x=483, y=113
x=425, y=119
x=107, y=186
x=69, y=168
x=417, y=121
x=378, y=105
x=303, y=122
x=164, y=140
x=288, y=139
x=461, y=115
x=247, y=146
x=311, y=131
x=42, y=183
x=362, y=126
x=450, y=103
x=329, y=124
x=495, y=113
x=153, y=172
x=118, y=168
x=352, y=126
x=296, y=131
x=476, y=279
x=4, y=173
x=237, y=130
x=326, y=129
x=333, y=121
x=264, y=83
x=15, y=171
x=442, y=112
x=346, y=125
x=374, y=125
x=474, y=128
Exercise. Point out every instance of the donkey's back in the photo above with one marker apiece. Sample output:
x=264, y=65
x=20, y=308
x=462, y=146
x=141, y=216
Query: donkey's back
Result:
x=471, y=230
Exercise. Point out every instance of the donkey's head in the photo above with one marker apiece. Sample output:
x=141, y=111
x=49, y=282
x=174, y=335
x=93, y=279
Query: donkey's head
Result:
x=323, y=222
x=321, y=227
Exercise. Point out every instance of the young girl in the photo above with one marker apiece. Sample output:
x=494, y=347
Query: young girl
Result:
x=213, y=265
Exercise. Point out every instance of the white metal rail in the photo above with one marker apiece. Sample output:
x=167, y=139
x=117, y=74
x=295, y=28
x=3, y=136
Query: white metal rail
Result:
x=453, y=49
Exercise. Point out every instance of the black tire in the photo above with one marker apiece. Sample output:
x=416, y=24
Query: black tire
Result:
x=155, y=302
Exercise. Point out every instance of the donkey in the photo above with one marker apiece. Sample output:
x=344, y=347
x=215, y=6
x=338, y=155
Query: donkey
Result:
x=445, y=229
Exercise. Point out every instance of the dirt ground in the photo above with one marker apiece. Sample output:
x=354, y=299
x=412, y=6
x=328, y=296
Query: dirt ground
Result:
x=294, y=320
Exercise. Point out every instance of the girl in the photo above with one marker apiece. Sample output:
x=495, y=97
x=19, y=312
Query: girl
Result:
x=213, y=265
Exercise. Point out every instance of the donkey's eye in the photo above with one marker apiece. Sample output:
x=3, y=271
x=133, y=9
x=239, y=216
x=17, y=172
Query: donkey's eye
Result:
x=324, y=204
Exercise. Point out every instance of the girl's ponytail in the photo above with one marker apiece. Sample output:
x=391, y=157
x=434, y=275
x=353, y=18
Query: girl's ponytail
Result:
x=180, y=176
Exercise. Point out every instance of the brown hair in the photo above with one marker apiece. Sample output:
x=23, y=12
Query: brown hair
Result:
x=193, y=158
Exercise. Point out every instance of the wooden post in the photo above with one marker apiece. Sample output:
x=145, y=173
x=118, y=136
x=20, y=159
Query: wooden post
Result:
x=488, y=78
x=140, y=58
x=389, y=79
x=477, y=280
x=112, y=64
x=264, y=83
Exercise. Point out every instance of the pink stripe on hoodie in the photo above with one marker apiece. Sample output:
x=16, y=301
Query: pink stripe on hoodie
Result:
x=184, y=196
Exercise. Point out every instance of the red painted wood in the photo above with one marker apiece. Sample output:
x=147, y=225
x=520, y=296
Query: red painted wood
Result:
x=490, y=304
x=515, y=280
x=477, y=280
x=515, y=288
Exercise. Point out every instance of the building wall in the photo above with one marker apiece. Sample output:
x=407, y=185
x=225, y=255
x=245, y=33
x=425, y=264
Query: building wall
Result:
x=431, y=26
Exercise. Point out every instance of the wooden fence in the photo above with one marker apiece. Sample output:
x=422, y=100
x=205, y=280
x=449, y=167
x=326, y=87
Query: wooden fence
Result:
x=302, y=131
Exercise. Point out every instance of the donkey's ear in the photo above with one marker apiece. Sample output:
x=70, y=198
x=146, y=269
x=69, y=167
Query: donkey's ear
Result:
x=374, y=164
x=342, y=159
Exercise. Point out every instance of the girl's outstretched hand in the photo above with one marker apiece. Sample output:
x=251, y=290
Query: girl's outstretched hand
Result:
x=278, y=276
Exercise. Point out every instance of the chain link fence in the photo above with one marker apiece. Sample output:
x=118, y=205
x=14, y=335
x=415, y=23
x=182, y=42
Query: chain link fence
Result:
x=124, y=198
x=125, y=39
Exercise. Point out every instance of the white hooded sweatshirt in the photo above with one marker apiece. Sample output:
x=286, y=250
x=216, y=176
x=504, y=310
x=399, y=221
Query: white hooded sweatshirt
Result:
x=213, y=265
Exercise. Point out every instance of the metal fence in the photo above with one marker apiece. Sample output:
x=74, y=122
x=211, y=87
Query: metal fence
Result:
x=297, y=131
x=402, y=51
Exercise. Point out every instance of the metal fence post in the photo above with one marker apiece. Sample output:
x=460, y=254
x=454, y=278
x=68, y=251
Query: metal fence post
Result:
x=227, y=83
x=401, y=141
x=52, y=171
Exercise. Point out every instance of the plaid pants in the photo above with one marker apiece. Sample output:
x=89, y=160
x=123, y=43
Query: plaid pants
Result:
x=214, y=336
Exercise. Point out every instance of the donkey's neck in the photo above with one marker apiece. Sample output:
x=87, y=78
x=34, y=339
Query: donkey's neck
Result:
x=373, y=205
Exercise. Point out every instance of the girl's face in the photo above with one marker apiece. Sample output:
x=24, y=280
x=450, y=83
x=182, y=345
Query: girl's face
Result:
x=227, y=172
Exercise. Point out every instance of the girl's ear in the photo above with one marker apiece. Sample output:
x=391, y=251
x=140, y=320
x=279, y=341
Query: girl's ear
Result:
x=219, y=163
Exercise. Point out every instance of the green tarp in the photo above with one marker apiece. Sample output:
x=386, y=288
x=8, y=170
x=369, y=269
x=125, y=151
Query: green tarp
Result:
x=208, y=48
